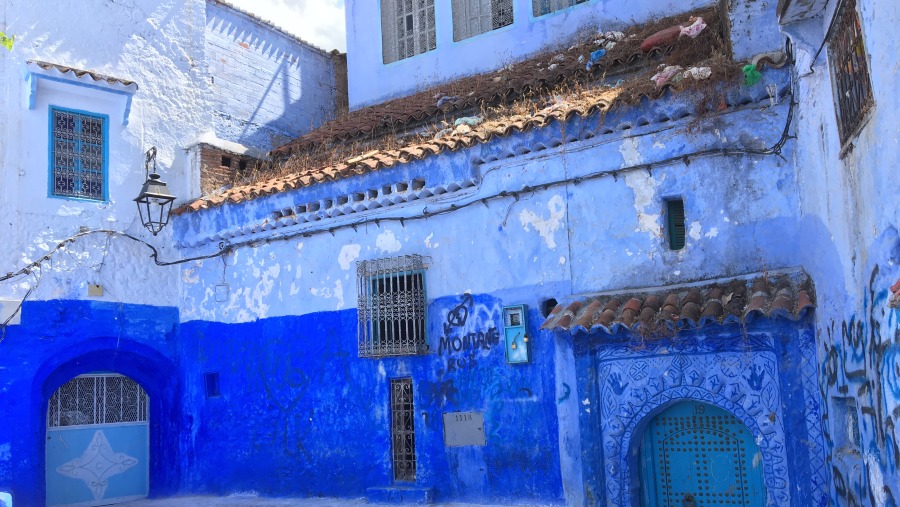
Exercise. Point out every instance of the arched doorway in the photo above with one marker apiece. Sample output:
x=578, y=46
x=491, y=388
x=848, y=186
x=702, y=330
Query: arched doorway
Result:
x=698, y=455
x=97, y=450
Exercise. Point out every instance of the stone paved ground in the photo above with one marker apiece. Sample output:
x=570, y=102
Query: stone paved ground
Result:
x=255, y=501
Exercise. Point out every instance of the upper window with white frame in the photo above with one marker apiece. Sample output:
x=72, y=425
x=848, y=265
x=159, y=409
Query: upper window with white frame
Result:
x=391, y=306
x=850, y=71
x=474, y=17
x=78, y=154
x=407, y=28
x=541, y=7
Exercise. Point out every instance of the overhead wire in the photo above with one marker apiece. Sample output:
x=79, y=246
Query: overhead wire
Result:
x=226, y=247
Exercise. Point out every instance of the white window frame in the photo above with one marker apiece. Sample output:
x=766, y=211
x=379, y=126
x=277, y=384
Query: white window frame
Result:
x=544, y=7
x=475, y=17
x=407, y=28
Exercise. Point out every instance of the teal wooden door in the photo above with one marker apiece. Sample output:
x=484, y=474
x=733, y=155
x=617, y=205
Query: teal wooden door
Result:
x=698, y=455
x=97, y=442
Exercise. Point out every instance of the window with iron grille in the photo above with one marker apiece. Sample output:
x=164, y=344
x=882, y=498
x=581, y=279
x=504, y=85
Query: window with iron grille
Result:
x=850, y=70
x=97, y=399
x=78, y=154
x=403, y=430
x=676, y=223
x=407, y=28
x=473, y=17
x=541, y=7
x=391, y=306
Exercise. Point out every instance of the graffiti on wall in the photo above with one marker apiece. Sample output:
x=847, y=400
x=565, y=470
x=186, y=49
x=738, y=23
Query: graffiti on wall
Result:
x=632, y=384
x=861, y=361
x=461, y=346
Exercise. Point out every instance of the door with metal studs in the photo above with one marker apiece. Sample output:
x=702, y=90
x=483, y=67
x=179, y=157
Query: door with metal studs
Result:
x=97, y=443
x=698, y=455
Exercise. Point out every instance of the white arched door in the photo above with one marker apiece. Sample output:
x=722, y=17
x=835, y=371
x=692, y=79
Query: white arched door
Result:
x=97, y=442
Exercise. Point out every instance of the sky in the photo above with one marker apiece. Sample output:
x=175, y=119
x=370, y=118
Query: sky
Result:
x=319, y=22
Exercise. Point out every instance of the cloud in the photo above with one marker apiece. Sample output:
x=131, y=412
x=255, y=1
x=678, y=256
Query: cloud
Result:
x=319, y=22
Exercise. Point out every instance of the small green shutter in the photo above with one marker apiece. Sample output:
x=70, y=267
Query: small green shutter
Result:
x=675, y=212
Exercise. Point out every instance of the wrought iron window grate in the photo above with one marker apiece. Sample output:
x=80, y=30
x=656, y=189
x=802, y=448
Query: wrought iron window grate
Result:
x=407, y=28
x=473, y=17
x=850, y=70
x=391, y=306
x=97, y=399
x=403, y=431
x=77, y=154
x=541, y=7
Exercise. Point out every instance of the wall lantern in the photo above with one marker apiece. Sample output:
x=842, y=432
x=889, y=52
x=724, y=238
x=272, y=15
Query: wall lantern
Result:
x=155, y=201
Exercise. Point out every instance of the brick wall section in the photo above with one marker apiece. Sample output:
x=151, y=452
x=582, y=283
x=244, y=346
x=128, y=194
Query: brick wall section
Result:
x=267, y=87
x=341, y=99
x=219, y=169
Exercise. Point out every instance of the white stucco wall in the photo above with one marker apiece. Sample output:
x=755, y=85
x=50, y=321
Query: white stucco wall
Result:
x=159, y=46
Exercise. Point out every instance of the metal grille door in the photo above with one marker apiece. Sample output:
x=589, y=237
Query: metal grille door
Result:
x=97, y=441
x=697, y=455
x=403, y=431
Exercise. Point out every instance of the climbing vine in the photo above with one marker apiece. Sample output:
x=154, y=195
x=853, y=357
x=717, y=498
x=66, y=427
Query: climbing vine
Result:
x=7, y=40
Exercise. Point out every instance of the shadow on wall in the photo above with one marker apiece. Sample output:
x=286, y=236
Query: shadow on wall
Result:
x=267, y=87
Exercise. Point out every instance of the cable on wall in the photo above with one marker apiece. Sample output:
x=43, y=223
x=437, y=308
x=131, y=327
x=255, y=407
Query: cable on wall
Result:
x=226, y=247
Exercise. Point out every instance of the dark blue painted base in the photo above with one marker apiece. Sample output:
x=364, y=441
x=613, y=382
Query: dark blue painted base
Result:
x=400, y=495
x=59, y=340
x=301, y=415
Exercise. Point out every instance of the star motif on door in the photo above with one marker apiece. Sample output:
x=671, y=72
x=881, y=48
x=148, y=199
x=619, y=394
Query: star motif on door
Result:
x=97, y=464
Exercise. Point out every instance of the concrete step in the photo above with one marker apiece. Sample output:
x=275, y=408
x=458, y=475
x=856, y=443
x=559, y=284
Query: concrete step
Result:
x=400, y=495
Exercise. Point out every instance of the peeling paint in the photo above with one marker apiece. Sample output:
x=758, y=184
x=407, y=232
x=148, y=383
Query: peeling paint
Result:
x=190, y=276
x=387, y=242
x=331, y=293
x=695, y=231
x=876, y=480
x=713, y=232
x=630, y=154
x=429, y=244
x=349, y=253
x=644, y=188
x=546, y=227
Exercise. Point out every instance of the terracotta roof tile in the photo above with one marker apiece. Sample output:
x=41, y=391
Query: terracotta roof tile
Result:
x=787, y=296
x=482, y=89
x=530, y=75
x=96, y=76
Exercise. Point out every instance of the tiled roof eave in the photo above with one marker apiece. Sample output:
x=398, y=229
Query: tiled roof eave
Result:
x=487, y=132
x=661, y=312
x=75, y=74
x=396, y=118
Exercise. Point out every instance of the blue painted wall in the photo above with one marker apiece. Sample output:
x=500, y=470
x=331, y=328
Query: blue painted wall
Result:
x=298, y=404
x=61, y=339
x=310, y=418
x=763, y=372
x=293, y=284
x=265, y=86
x=850, y=219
